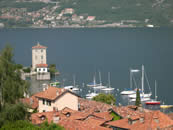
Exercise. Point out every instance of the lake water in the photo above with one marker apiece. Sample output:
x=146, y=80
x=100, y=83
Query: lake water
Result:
x=83, y=52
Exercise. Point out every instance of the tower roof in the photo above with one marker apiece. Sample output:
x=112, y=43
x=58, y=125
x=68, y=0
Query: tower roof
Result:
x=38, y=46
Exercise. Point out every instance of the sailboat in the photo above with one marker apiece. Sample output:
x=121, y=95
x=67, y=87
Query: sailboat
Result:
x=75, y=88
x=93, y=84
x=142, y=94
x=100, y=86
x=91, y=95
x=154, y=102
x=109, y=86
x=130, y=91
x=72, y=87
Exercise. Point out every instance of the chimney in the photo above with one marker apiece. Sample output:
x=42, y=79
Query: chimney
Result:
x=57, y=93
x=56, y=119
x=31, y=101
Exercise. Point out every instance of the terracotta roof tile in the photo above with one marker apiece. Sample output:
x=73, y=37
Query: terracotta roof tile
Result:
x=51, y=93
x=42, y=65
x=38, y=46
x=32, y=102
x=151, y=120
x=71, y=122
x=93, y=106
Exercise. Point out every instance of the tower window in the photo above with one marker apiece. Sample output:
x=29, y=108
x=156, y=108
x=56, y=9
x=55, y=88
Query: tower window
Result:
x=41, y=57
x=41, y=50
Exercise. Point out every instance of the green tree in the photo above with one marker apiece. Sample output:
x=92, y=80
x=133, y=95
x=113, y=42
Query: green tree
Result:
x=138, y=98
x=12, y=87
x=27, y=70
x=52, y=69
x=26, y=125
x=108, y=99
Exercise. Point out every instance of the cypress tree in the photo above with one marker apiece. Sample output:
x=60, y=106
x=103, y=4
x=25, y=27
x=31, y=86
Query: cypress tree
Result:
x=138, y=98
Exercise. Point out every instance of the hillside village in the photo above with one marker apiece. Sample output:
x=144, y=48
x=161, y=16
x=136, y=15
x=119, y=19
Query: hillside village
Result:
x=55, y=14
x=67, y=109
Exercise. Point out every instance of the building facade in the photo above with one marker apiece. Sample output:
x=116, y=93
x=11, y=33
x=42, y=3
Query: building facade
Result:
x=56, y=98
x=39, y=55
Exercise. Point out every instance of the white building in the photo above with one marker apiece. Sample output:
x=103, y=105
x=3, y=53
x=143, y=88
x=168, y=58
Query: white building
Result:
x=42, y=68
x=38, y=55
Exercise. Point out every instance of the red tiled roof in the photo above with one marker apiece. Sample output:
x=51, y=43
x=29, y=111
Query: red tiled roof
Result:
x=91, y=106
x=170, y=115
x=42, y=65
x=70, y=123
x=51, y=93
x=104, y=115
x=32, y=102
x=126, y=111
x=38, y=46
x=151, y=120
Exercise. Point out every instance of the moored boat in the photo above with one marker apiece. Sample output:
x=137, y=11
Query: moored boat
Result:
x=166, y=106
x=154, y=102
x=129, y=91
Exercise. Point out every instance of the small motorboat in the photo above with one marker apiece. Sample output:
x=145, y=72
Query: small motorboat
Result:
x=166, y=106
x=152, y=102
x=54, y=84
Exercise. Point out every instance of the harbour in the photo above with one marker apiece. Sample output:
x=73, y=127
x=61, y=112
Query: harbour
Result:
x=104, y=50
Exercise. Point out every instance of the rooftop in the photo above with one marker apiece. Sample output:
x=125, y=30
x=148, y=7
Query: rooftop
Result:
x=52, y=93
x=150, y=120
x=42, y=65
x=38, y=46
x=75, y=120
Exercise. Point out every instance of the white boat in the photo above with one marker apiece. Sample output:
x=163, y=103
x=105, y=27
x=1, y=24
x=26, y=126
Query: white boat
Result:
x=75, y=88
x=109, y=86
x=69, y=87
x=100, y=86
x=130, y=91
x=142, y=99
x=93, y=84
x=142, y=94
x=72, y=88
x=91, y=95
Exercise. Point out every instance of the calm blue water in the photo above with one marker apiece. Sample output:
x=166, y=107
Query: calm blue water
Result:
x=85, y=51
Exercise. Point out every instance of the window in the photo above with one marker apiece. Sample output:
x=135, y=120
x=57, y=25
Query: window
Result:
x=44, y=111
x=48, y=103
x=43, y=101
x=41, y=57
x=39, y=69
x=36, y=57
x=43, y=69
x=41, y=50
x=35, y=50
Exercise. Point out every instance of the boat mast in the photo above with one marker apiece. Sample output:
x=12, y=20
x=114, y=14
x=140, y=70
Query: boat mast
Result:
x=142, y=79
x=100, y=78
x=130, y=78
x=74, y=82
x=155, y=90
x=94, y=80
x=109, y=79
